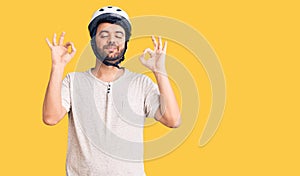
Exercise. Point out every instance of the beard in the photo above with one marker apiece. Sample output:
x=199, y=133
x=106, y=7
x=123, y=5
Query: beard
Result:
x=107, y=55
x=111, y=56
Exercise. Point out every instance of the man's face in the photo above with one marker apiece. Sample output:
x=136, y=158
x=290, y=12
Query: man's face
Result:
x=110, y=40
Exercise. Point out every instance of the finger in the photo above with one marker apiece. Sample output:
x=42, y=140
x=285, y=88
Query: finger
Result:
x=69, y=44
x=159, y=43
x=54, y=39
x=154, y=42
x=142, y=58
x=49, y=43
x=165, y=47
x=61, y=39
x=73, y=49
x=150, y=51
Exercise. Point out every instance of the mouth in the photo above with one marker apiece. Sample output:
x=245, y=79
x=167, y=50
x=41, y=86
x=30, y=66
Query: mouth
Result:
x=112, y=48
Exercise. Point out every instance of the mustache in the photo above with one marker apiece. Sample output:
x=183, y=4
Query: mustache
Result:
x=111, y=45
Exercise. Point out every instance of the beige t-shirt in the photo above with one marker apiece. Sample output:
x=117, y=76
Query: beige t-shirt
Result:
x=106, y=122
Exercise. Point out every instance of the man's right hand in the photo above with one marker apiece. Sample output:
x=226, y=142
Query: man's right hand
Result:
x=53, y=111
x=59, y=52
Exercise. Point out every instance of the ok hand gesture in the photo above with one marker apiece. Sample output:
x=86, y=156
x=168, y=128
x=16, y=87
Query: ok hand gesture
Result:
x=59, y=52
x=156, y=62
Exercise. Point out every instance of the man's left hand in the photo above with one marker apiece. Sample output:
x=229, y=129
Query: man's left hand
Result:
x=156, y=62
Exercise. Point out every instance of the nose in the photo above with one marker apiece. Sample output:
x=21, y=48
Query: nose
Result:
x=111, y=40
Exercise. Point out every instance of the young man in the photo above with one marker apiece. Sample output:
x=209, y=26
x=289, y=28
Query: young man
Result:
x=107, y=104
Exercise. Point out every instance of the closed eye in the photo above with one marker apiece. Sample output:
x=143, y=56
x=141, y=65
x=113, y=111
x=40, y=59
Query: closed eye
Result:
x=119, y=34
x=103, y=34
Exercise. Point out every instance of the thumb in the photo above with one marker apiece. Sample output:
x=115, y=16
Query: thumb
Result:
x=142, y=59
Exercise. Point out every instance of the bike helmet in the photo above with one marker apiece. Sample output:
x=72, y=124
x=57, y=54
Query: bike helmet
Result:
x=110, y=14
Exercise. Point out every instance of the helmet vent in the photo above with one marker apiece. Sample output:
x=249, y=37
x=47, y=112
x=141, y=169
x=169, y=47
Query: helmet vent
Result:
x=109, y=7
x=101, y=10
x=119, y=10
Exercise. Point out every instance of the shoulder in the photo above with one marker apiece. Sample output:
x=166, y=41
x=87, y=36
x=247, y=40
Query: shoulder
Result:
x=138, y=77
x=138, y=81
x=79, y=74
x=71, y=76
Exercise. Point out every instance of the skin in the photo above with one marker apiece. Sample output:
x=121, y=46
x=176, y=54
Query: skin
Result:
x=110, y=40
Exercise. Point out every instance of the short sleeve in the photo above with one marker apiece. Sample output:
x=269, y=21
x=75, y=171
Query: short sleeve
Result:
x=65, y=93
x=152, y=97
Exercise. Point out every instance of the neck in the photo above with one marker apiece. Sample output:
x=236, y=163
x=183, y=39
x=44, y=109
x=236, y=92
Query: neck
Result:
x=106, y=73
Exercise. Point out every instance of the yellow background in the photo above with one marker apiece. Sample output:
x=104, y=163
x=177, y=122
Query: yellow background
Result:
x=258, y=46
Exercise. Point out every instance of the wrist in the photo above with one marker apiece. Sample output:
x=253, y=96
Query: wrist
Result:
x=160, y=72
x=58, y=66
x=57, y=69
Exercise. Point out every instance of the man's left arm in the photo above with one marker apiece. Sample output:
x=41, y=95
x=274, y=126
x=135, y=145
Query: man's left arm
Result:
x=168, y=112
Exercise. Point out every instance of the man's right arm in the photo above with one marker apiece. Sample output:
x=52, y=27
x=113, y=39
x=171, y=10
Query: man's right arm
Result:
x=53, y=111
